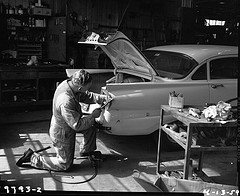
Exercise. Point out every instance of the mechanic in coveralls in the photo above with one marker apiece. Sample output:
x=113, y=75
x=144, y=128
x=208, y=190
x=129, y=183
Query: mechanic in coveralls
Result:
x=67, y=120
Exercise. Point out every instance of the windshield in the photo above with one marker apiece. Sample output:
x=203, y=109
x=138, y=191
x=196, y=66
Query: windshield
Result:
x=170, y=64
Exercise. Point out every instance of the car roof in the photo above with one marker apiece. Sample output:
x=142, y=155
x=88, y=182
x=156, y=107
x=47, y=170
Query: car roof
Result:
x=199, y=52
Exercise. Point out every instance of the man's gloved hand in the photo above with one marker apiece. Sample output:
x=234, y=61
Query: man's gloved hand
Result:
x=96, y=113
x=104, y=98
x=108, y=98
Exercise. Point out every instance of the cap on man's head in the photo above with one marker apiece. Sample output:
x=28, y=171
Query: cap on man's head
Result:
x=81, y=78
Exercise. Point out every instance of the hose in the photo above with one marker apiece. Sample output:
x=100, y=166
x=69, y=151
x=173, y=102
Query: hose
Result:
x=79, y=182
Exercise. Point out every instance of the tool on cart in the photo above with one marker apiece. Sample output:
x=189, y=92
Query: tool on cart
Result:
x=95, y=158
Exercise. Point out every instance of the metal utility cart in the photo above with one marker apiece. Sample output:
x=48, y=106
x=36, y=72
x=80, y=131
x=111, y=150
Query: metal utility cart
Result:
x=191, y=123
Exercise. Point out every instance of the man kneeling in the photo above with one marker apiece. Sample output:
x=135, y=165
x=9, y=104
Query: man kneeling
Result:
x=67, y=120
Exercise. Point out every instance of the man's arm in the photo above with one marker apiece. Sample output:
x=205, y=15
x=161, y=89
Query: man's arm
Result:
x=75, y=120
x=90, y=98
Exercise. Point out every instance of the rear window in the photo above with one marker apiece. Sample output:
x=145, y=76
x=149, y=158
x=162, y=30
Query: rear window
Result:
x=170, y=64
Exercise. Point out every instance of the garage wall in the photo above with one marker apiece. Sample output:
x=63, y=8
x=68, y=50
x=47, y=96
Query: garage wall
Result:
x=146, y=23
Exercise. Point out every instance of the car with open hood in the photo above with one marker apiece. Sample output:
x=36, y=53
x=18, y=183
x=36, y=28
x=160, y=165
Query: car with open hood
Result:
x=143, y=80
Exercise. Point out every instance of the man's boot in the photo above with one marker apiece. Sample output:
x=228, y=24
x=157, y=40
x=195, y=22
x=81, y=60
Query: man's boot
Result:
x=25, y=158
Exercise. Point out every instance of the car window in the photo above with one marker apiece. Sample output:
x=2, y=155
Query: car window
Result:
x=201, y=73
x=224, y=68
x=170, y=64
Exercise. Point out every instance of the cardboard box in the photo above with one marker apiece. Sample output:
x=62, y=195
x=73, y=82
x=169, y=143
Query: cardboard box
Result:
x=46, y=11
x=39, y=23
x=36, y=11
x=41, y=11
x=178, y=186
x=176, y=102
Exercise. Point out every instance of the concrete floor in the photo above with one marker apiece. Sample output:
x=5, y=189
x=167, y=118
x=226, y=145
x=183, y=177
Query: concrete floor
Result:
x=129, y=164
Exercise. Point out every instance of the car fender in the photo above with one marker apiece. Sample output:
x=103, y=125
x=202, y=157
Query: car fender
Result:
x=135, y=109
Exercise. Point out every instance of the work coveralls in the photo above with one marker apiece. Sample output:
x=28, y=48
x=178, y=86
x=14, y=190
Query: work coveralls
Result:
x=67, y=119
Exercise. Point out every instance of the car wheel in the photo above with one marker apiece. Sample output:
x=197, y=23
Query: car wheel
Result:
x=167, y=143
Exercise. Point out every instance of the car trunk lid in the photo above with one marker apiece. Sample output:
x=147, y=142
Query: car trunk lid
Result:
x=122, y=52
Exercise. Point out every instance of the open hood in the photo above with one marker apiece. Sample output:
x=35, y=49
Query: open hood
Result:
x=122, y=52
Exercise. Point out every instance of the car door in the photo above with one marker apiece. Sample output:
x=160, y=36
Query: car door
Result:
x=199, y=92
x=223, y=74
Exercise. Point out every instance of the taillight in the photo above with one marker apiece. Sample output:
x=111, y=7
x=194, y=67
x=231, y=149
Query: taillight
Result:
x=104, y=91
